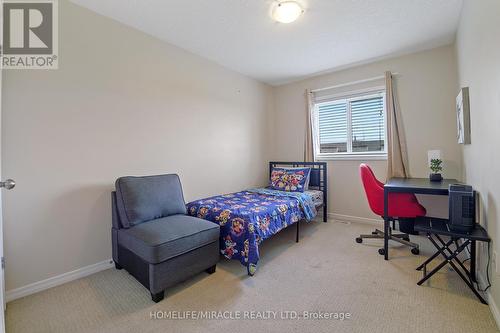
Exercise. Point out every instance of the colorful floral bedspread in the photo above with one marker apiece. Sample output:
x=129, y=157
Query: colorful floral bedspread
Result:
x=247, y=218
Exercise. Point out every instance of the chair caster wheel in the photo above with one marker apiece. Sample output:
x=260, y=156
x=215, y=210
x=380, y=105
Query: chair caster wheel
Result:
x=374, y=232
x=415, y=250
x=359, y=240
x=381, y=252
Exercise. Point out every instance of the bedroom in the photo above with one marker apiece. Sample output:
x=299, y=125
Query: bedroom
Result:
x=214, y=91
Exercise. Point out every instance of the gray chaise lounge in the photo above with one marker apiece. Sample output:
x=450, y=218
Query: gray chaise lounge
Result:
x=154, y=239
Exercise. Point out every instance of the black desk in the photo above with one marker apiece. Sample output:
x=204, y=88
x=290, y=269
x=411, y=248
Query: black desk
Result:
x=410, y=185
x=435, y=228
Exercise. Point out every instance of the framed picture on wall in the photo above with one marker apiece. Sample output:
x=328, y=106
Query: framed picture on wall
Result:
x=463, y=116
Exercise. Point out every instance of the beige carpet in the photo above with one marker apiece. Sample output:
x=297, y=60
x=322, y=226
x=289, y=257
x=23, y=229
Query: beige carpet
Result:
x=326, y=271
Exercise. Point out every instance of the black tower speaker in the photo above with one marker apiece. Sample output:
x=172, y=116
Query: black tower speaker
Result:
x=462, y=206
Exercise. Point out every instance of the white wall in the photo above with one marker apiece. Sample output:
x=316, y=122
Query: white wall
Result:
x=478, y=49
x=427, y=86
x=121, y=103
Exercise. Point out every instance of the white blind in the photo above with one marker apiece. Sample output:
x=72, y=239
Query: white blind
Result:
x=368, y=124
x=333, y=127
x=352, y=125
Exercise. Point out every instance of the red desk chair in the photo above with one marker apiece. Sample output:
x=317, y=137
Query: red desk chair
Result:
x=402, y=206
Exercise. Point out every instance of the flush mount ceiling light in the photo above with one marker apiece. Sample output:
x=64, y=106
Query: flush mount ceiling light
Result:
x=287, y=11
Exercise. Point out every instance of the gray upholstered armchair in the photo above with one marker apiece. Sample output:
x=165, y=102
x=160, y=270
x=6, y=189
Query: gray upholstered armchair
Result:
x=154, y=239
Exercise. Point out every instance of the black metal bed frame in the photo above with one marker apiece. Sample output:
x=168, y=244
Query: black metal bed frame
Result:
x=318, y=180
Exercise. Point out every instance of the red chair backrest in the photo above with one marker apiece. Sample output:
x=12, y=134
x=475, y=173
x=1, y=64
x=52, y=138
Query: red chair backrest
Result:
x=374, y=189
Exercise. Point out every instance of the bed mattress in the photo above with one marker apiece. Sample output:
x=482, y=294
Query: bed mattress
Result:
x=316, y=195
x=246, y=219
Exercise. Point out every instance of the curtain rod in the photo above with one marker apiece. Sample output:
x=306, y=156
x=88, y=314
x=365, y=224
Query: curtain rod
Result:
x=352, y=83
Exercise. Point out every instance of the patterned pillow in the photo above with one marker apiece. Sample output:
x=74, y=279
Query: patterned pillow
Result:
x=291, y=180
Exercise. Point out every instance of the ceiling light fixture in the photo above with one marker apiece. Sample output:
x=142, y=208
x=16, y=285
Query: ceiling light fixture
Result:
x=287, y=11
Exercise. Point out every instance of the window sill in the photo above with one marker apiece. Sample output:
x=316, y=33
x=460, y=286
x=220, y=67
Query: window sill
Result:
x=352, y=157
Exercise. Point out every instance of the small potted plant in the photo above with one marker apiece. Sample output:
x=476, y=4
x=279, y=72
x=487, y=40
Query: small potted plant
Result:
x=436, y=166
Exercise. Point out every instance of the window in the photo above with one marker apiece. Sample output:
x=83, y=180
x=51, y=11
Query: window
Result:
x=350, y=126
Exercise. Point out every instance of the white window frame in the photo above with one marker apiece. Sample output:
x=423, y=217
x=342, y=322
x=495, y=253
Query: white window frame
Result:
x=348, y=97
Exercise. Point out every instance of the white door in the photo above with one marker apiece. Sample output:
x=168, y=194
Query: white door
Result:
x=2, y=280
x=6, y=185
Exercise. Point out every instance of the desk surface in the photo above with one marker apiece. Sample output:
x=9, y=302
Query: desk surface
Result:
x=440, y=227
x=419, y=185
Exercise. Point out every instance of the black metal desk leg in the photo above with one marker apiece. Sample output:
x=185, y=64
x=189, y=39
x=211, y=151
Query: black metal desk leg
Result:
x=386, y=224
x=431, y=273
x=447, y=259
x=297, y=235
x=469, y=284
x=450, y=251
x=473, y=260
x=431, y=258
x=451, y=259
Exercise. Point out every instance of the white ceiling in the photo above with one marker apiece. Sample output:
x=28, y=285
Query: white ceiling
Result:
x=332, y=34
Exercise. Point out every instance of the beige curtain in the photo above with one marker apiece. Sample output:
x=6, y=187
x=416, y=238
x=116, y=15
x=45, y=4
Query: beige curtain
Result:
x=308, y=139
x=397, y=155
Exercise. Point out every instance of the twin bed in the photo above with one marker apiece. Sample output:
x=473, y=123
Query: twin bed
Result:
x=249, y=217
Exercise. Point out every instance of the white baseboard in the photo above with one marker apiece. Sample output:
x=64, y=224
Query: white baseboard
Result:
x=32, y=288
x=35, y=287
x=355, y=219
x=491, y=302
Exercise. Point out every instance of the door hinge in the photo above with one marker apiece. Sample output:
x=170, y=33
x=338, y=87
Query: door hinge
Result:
x=3, y=262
